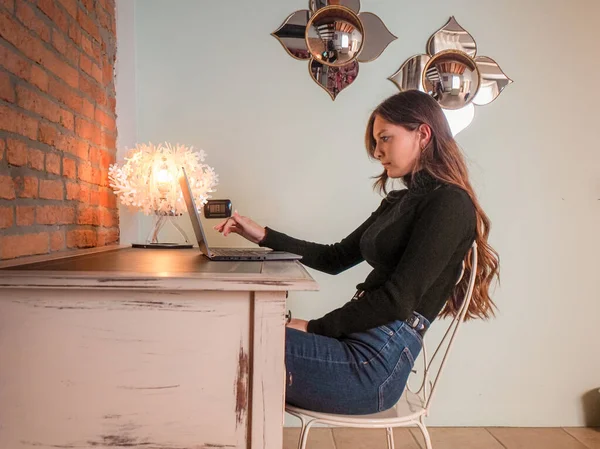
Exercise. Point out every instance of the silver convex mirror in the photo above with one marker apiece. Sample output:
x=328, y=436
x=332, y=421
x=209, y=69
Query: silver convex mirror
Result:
x=334, y=36
x=452, y=78
x=453, y=74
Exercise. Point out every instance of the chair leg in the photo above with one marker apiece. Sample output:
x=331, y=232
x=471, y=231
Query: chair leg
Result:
x=304, y=434
x=390, y=437
x=425, y=432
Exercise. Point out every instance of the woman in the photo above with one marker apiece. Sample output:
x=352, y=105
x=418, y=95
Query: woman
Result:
x=356, y=359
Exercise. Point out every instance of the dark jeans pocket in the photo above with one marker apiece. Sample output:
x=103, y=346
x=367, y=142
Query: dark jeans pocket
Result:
x=391, y=389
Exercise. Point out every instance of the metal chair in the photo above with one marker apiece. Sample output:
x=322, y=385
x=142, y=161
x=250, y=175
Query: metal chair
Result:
x=412, y=408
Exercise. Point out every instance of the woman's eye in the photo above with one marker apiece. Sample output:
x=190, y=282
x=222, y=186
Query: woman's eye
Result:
x=384, y=138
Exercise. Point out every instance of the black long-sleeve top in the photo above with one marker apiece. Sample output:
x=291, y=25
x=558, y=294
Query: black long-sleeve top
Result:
x=415, y=241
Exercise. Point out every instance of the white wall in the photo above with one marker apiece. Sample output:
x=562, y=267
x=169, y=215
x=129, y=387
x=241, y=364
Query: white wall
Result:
x=125, y=86
x=209, y=74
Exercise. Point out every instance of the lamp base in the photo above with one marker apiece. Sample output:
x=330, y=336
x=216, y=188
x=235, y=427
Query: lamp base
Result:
x=163, y=245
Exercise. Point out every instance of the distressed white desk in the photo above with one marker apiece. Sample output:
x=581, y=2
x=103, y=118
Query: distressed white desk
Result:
x=154, y=349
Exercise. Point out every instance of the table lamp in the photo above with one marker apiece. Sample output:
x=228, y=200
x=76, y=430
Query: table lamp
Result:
x=148, y=181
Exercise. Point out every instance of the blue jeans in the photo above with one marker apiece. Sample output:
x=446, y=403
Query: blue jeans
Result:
x=362, y=373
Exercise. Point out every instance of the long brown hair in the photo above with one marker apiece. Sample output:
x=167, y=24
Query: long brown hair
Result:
x=443, y=160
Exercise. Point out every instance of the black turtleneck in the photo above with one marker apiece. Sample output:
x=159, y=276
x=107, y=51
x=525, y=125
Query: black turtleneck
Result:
x=415, y=241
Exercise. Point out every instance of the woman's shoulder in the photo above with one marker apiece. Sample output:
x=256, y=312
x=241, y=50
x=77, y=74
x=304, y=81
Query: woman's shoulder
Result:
x=451, y=199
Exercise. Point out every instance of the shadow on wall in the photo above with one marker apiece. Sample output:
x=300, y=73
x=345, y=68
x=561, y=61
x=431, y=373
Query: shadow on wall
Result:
x=591, y=408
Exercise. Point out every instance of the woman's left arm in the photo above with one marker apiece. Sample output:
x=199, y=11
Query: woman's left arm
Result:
x=445, y=222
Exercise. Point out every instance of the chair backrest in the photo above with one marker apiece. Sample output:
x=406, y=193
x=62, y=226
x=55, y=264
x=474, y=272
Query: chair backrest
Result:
x=448, y=337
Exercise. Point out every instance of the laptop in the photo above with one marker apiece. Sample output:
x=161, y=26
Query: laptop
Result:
x=224, y=253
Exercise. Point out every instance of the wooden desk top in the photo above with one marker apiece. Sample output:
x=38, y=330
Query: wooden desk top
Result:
x=123, y=267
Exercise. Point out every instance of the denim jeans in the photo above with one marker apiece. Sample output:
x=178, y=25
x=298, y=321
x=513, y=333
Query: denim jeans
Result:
x=362, y=373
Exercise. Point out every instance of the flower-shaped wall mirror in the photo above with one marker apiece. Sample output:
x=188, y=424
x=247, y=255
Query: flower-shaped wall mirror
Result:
x=452, y=74
x=334, y=36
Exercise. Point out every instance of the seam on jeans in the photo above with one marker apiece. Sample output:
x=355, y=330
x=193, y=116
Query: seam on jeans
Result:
x=319, y=360
x=379, y=353
x=386, y=381
x=386, y=329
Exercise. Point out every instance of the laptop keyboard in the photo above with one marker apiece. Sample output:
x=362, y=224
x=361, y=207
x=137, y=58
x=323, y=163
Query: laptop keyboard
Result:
x=237, y=252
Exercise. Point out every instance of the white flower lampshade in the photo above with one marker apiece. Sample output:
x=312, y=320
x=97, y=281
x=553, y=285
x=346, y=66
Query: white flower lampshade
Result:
x=148, y=181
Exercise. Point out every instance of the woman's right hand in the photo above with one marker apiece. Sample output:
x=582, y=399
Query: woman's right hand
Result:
x=243, y=226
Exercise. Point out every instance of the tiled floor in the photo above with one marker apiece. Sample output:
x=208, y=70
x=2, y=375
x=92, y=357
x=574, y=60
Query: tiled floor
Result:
x=449, y=438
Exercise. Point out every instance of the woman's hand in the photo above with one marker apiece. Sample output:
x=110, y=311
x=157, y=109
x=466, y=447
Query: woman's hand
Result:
x=297, y=324
x=243, y=226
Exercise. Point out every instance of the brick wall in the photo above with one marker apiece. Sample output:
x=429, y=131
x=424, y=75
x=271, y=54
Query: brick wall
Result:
x=57, y=125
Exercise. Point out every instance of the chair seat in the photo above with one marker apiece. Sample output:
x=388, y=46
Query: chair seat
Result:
x=408, y=408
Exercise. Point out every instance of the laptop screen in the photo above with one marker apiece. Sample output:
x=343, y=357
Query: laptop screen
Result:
x=193, y=212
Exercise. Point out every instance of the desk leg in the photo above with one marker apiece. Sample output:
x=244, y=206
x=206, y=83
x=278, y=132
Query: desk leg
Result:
x=268, y=373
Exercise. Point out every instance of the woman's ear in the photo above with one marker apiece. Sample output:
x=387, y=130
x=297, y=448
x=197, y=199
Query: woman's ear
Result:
x=424, y=135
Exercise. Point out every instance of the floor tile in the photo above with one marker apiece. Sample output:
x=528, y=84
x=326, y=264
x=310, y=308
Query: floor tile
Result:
x=535, y=438
x=458, y=437
x=589, y=436
x=350, y=438
x=318, y=438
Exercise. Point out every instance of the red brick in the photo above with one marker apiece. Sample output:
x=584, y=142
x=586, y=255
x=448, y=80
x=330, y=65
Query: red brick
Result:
x=19, y=36
x=14, y=63
x=97, y=51
x=105, y=120
x=7, y=217
x=84, y=129
x=13, y=121
x=35, y=159
x=52, y=189
x=103, y=17
x=81, y=238
x=57, y=240
x=91, y=89
x=53, y=163
x=34, y=49
x=33, y=102
x=26, y=186
x=54, y=215
x=109, y=141
x=2, y=147
x=108, y=236
x=86, y=46
x=112, y=104
x=24, y=245
x=94, y=198
x=7, y=188
x=69, y=168
x=84, y=193
x=88, y=109
x=107, y=74
x=65, y=48
x=88, y=24
x=25, y=215
x=72, y=191
x=70, y=6
x=110, y=218
x=39, y=77
x=108, y=199
x=75, y=34
x=65, y=95
x=16, y=152
x=88, y=216
x=27, y=15
x=8, y=4
x=7, y=92
x=88, y=4
x=63, y=70
x=48, y=134
x=56, y=14
x=84, y=171
x=66, y=119
x=72, y=145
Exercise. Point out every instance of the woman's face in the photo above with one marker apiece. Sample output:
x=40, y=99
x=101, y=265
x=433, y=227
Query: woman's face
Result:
x=398, y=148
